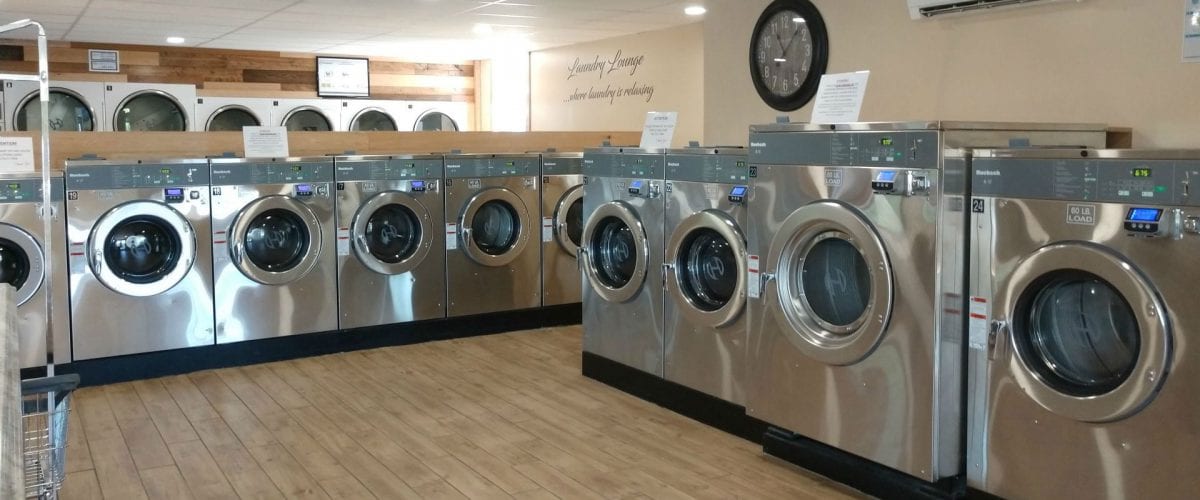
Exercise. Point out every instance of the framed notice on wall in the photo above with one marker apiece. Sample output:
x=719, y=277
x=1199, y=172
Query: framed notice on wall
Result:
x=343, y=77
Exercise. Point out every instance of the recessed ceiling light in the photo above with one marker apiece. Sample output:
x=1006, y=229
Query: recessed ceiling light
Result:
x=482, y=29
x=695, y=10
x=175, y=39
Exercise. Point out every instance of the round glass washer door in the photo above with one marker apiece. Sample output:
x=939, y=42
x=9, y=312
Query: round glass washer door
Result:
x=141, y=248
x=373, y=120
x=568, y=220
x=707, y=273
x=69, y=112
x=1090, y=333
x=20, y=262
x=495, y=226
x=392, y=233
x=435, y=121
x=307, y=119
x=232, y=118
x=616, y=252
x=275, y=240
x=833, y=283
x=150, y=111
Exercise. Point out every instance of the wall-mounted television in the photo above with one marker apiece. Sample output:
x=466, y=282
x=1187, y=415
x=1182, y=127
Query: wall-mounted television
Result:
x=343, y=77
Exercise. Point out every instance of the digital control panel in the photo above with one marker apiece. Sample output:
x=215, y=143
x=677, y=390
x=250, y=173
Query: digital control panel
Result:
x=173, y=195
x=637, y=188
x=27, y=190
x=225, y=174
x=304, y=190
x=416, y=186
x=458, y=167
x=1133, y=182
x=885, y=181
x=1149, y=222
x=395, y=169
x=718, y=168
x=737, y=194
x=901, y=182
x=132, y=176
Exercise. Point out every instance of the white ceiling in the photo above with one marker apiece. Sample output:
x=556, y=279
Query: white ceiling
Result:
x=418, y=30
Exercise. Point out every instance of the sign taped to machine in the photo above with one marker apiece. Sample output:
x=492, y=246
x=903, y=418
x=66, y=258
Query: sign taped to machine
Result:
x=659, y=129
x=840, y=97
x=451, y=236
x=265, y=142
x=753, y=276
x=16, y=154
x=977, y=334
x=343, y=241
x=547, y=229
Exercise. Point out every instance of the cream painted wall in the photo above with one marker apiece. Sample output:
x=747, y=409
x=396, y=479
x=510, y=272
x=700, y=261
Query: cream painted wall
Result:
x=673, y=65
x=1109, y=61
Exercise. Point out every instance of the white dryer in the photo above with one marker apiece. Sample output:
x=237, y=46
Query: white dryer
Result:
x=74, y=106
x=150, y=107
x=441, y=116
x=308, y=115
x=368, y=115
x=225, y=114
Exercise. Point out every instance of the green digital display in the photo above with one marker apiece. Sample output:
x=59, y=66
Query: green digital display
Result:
x=886, y=141
x=1142, y=172
x=510, y=163
x=14, y=187
x=297, y=168
x=164, y=171
x=741, y=164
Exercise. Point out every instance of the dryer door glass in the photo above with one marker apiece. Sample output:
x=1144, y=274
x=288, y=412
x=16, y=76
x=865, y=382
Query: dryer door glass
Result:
x=142, y=249
x=14, y=264
x=436, y=121
x=373, y=120
x=574, y=221
x=708, y=269
x=276, y=240
x=393, y=233
x=1081, y=334
x=495, y=227
x=68, y=113
x=307, y=120
x=615, y=252
x=836, y=281
x=232, y=120
x=150, y=111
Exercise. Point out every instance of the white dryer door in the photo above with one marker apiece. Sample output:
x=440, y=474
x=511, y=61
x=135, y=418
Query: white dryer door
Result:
x=275, y=240
x=69, y=112
x=150, y=111
x=141, y=248
x=392, y=233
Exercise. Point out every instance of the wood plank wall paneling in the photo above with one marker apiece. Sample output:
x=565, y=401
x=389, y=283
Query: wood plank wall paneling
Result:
x=242, y=73
x=161, y=145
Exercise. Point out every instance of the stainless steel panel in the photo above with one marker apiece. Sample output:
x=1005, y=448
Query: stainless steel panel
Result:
x=367, y=297
x=704, y=351
x=473, y=288
x=1145, y=454
x=561, y=274
x=179, y=317
x=933, y=125
x=247, y=309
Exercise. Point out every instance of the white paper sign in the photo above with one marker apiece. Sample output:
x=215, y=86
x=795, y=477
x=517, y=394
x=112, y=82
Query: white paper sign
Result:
x=16, y=154
x=659, y=129
x=451, y=236
x=547, y=229
x=977, y=335
x=343, y=241
x=265, y=142
x=104, y=61
x=1191, y=30
x=753, y=276
x=840, y=97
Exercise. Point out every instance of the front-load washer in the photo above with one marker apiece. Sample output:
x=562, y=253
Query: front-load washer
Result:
x=139, y=255
x=623, y=250
x=1083, y=306
x=22, y=265
x=493, y=260
x=231, y=114
x=150, y=107
x=856, y=324
x=370, y=115
x=74, y=106
x=390, y=245
x=706, y=271
x=273, y=247
x=308, y=115
x=562, y=227
x=442, y=117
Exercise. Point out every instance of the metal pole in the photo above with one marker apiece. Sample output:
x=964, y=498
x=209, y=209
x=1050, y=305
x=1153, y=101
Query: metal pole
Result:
x=48, y=206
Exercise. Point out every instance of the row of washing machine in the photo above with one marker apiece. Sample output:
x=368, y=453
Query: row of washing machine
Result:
x=1020, y=317
x=121, y=107
x=174, y=254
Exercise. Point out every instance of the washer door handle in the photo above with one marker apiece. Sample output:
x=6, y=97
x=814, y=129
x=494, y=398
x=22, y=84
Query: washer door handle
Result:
x=997, y=337
x=762, y=283
x=466, y=236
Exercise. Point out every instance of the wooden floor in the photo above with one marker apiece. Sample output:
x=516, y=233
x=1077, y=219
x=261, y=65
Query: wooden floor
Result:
x=490, y=417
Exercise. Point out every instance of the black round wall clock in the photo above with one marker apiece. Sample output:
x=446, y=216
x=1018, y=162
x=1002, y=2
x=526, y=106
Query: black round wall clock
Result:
x=788, y=53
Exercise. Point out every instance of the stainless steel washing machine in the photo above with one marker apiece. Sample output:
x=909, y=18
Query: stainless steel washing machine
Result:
x=623, y=250
x=22, y=265
x=493, y=262
x=704, y=314
x=1082, y=288
x=139, y=256
x=562, y=228
x=273, y=247
x=856, y=320
x=390, y=245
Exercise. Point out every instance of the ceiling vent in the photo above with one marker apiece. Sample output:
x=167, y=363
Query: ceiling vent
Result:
x=926, y=9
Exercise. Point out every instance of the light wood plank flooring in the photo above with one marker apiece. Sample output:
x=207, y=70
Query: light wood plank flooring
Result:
x=504, y=416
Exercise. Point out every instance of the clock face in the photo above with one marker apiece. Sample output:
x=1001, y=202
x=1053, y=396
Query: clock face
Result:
x=788, y=53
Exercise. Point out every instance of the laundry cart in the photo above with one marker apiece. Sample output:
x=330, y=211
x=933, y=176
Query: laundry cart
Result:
x=45, y=405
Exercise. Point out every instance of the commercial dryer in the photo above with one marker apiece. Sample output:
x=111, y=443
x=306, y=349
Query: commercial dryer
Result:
x=273, y=247
x=441, y=117
x=856, y=321
x=1083, y=312
x=22, y=265
x=390, y=245
x=372, y=115
x=623, y=249
x=493, y=259
x=231, y=114
x=150, y=107
x=307, y=115
x=562, y=227
x=706, y=266
x=74, y=106
x=139, y=255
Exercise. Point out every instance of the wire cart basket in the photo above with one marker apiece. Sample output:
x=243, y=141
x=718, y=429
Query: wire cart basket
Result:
x=46, y=404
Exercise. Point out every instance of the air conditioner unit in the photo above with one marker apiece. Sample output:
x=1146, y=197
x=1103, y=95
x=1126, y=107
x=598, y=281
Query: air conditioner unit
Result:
x=925, y=9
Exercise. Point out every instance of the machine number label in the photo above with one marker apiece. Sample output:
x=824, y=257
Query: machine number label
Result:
x=1081, y=214
x=451, y=236
x=977, y=205
x=343, y=241
x=833, y=178
x=547, y=229
x=977, y=334
x=753, y=276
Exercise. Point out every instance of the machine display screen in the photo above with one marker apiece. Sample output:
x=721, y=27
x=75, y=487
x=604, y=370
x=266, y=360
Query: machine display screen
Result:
x=298, y=168
x=14, y=187
x=1145, y=214
x=174, y=192
x=741, y=164
x=635, y=185
x=303, y=189
x=1142, y=172
x=418, y=185
x=165, y=171
x=738, y=191
x=887, y=176
x=886, y=141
